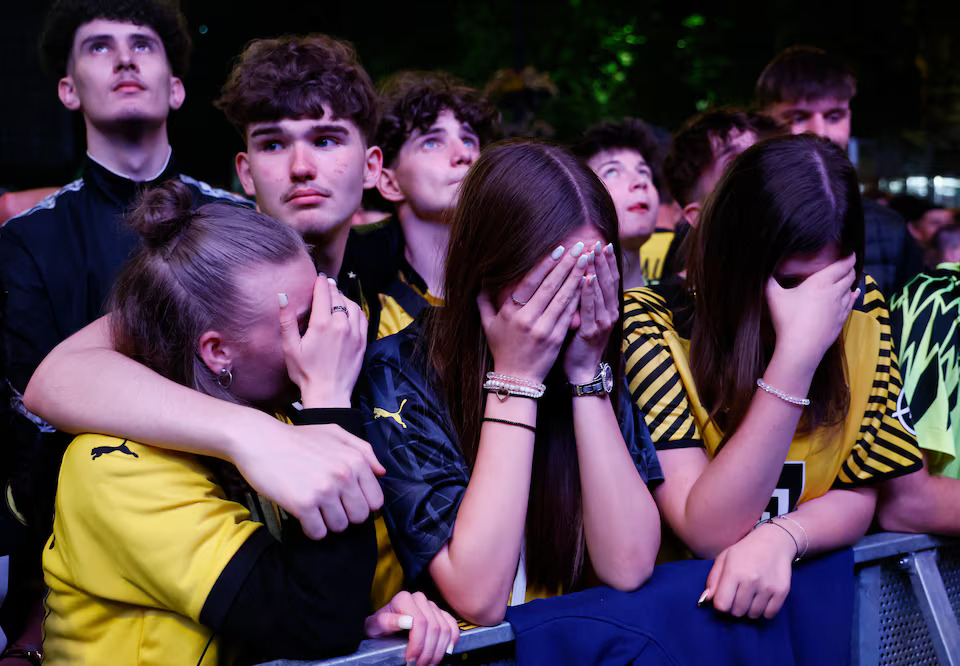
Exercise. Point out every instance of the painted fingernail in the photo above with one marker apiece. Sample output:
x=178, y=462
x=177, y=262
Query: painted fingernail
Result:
x=598, y=247
x=593, y=256
x=450, y=649
x=283, y=299
x=405, y=622
x=703, y=597
x=576, y=250
x=582, y=261
x=556, y=254
x=412, y=662
x=608, y=250
x=331, y=281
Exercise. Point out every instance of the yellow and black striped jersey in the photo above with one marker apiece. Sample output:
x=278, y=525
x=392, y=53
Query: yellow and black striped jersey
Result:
x=875, y=442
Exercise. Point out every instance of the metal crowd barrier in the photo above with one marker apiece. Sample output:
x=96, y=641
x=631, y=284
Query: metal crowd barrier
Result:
x=906, y=612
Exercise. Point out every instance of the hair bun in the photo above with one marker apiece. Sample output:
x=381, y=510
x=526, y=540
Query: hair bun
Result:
x=162, y=214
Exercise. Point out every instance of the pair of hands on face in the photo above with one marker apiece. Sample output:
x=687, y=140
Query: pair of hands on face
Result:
x=527, y=332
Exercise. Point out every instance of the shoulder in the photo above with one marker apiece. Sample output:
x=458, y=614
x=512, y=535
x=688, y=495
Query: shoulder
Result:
x=48, y=210
x=943, y=279
x=655, y=309
x=874, y=213
x=210, y=194
x=94, y=460
x=398, y=349
x=872, y=301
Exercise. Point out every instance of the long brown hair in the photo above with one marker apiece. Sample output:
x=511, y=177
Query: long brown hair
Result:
x=519, y=201
x=184, y=280
x=781, y=197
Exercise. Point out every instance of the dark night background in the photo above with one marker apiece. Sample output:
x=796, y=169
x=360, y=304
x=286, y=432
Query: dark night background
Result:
x=659, y=60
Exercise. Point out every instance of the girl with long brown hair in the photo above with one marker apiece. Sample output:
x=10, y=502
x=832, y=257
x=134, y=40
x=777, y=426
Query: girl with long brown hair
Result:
x=769, y=380
x=516, y=465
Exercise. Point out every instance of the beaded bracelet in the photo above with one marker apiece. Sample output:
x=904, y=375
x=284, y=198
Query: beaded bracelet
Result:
x=510, y=379
x=506, y=389
x=786, y=397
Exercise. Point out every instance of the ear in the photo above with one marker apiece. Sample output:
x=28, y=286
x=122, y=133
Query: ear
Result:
x=177, y=93
x=917, y=236
x=67, y=92
x=389, y=187
x=242, y=162
x=372, y=167
x=691, y=212
x=216, y=353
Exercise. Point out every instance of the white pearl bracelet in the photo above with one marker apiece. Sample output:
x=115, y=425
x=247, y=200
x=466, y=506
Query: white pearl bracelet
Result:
x=786, y=397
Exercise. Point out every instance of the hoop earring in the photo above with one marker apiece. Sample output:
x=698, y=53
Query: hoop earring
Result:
x=225, y=378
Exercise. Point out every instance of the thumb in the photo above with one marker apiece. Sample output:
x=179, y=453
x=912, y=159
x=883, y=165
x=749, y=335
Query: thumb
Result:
x=385, y=622
x=289, y=330
x=487, y=312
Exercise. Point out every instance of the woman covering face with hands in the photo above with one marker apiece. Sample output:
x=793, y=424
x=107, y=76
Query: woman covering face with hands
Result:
x=159, y=556
x=516, y=464
x=769, y=380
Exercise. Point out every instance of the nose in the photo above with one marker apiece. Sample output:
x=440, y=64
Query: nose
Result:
x=125, y=59
x=462, y=153
x=638, y=181
x=817, y=125
x=301, y=163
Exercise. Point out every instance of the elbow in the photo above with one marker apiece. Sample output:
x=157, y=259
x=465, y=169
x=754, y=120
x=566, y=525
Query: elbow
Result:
x=627, y=580
x=902, y=513
x=483, y=615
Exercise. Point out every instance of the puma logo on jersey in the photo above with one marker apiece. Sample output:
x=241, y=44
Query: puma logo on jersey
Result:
x=98, y=451
x=382, y=413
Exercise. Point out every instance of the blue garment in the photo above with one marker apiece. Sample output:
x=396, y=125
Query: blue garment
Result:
x=408, y=425
x=661, y=624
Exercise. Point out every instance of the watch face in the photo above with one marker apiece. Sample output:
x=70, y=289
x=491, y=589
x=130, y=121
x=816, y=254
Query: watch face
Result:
x=606, y=377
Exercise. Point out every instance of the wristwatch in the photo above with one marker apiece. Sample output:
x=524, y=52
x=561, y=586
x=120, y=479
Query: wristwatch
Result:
x=601, y=384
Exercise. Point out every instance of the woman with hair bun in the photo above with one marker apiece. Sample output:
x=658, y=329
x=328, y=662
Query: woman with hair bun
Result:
x=166, y=557
x=769, y=380
x=516, y=465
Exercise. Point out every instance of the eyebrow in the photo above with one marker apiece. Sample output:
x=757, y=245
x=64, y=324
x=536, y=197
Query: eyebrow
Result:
x=277, y=130
x=96, y=38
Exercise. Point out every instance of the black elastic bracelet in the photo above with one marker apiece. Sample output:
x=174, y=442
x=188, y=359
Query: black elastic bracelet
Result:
x=513, y=423
x=789, y=533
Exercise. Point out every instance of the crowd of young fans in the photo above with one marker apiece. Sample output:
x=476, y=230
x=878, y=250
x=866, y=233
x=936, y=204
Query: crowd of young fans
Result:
x=524, y=380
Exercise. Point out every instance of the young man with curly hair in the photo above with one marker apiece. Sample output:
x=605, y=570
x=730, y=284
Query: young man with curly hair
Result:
x=432, y=128
x=625, y=155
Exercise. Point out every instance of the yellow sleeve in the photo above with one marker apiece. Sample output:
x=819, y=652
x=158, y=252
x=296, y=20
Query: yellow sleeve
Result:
x=142, y=526
x=652, y=374
x=887, y=446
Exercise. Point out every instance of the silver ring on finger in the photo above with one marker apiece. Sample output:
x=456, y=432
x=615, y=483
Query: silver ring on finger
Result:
x=340, y=308
x=517, y=302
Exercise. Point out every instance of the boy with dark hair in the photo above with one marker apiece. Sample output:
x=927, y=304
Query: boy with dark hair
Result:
x=307, y=112
x=625, y=155
x=119, y=63
x=808, y=90
x=431, y=130
x=699, y=154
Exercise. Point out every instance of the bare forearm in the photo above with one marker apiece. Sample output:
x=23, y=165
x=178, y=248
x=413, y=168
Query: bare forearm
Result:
x=476, y=569
x=920, y=502
x=837, y=519
x=621, y=522
x=718, y=511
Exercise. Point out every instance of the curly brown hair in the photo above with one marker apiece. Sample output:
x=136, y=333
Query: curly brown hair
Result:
x=412, y=100
x=295, y=77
